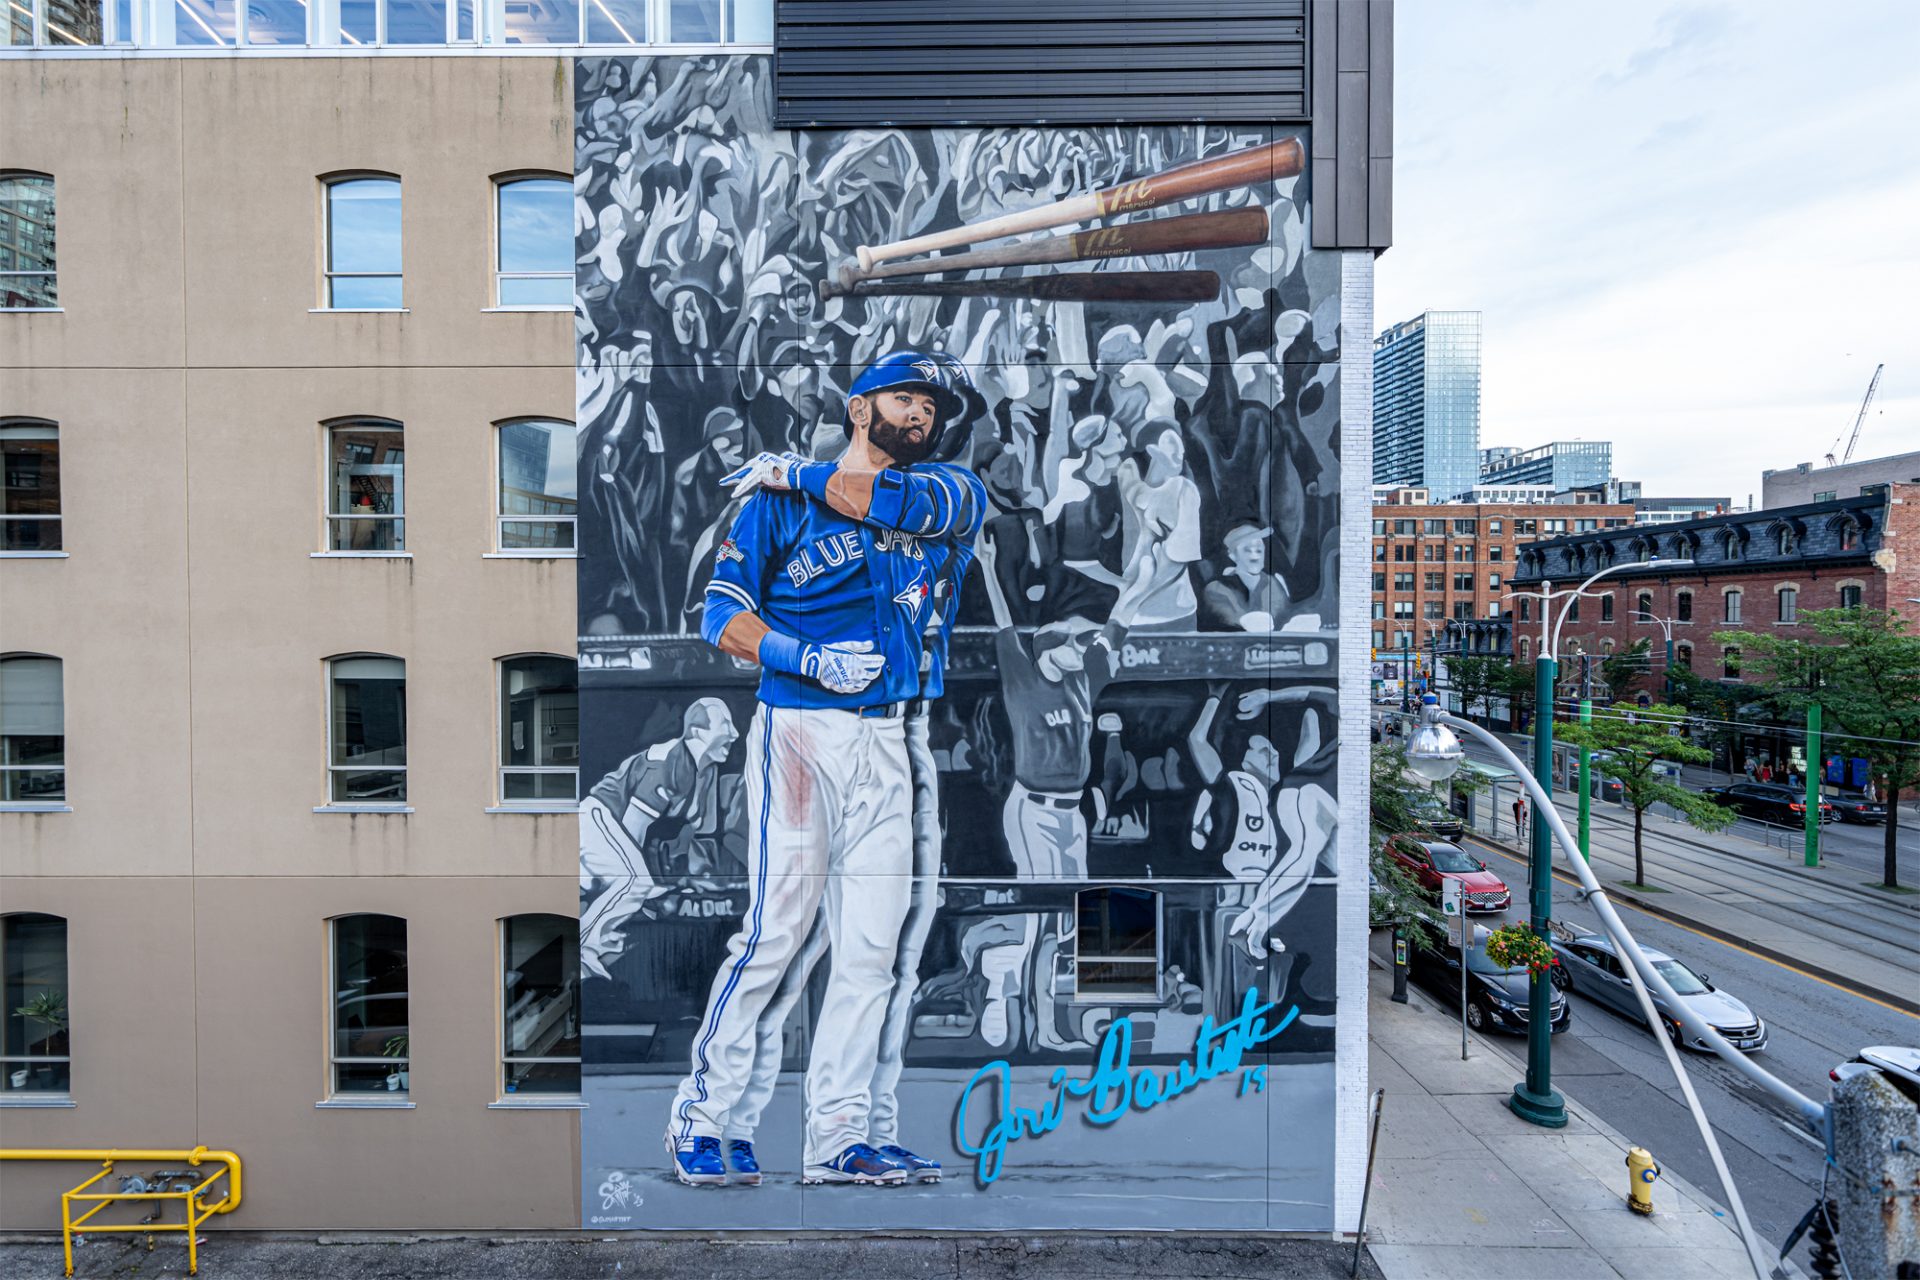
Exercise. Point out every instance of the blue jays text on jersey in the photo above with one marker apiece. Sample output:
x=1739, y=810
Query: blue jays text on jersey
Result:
x=823, y=577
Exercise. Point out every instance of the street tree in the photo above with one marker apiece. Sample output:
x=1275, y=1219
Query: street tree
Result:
x=1716, y=712
x=1636, y=748
x=1619, y=671
x=1864, y=671
x=1396, y=899
x=1478, y=680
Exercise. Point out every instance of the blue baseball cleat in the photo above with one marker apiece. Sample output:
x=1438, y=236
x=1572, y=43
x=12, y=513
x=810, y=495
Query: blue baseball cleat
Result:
x=696, y=1162
x=859, y=1164
x=746, y=1169
x=919, y=1168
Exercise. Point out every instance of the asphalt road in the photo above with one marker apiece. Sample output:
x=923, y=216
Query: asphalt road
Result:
x=1614, y=1068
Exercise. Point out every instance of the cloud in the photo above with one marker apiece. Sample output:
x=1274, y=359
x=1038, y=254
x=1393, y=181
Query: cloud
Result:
x=1689, y=35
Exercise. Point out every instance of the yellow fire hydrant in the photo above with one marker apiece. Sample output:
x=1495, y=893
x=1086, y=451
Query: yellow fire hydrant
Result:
x=1641, y=1171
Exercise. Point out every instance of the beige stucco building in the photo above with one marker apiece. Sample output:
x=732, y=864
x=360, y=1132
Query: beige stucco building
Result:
x=191, y=370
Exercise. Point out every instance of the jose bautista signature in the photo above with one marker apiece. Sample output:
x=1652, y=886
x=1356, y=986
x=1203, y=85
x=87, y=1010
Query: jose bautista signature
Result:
x=1113, y=1088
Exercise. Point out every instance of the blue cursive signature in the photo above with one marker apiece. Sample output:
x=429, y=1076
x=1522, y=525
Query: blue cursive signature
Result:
x=1113, y=1088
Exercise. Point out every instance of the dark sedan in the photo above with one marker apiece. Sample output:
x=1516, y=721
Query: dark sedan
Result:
x=1430, y=815
x=1851, y=806
x=1496, y=997
x=1767, y=801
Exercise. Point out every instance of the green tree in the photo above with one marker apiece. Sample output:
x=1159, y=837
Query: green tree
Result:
x=1716, y=710
x=1621, y=671
x=1864, y=671
x=1397, y=898
x=1636, y=741
x=1519, y=687
x=1478, y=681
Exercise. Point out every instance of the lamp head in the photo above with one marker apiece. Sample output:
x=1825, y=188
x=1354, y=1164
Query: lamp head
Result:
x=1433, y=753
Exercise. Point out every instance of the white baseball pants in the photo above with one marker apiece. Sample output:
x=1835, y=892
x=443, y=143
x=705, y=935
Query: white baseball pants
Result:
x=829, y=826
x=1046, y=833
x=608, y=854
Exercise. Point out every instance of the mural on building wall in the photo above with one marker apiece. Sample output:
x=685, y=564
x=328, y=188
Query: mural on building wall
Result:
x=957, y=600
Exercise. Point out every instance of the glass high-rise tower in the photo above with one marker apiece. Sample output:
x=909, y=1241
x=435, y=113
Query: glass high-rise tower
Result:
x=1426, y=403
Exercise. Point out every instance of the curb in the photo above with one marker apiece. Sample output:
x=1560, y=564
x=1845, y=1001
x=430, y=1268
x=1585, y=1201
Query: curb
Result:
x=1785, y=1266
x=1906, y=1004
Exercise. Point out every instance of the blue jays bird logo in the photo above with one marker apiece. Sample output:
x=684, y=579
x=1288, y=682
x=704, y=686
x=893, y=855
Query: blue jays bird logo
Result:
x=912, y=596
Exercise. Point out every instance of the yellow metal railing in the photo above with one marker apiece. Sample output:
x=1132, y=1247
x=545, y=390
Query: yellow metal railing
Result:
x=192, y=1199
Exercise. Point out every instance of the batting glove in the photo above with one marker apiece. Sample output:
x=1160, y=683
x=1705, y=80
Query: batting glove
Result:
x=764, y=471
x=846, y=667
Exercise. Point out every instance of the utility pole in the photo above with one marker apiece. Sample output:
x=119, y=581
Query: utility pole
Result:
x=1813, y=784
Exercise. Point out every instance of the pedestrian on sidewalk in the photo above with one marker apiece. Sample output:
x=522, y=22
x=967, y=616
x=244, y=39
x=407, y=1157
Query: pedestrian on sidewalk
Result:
x=1519, y=815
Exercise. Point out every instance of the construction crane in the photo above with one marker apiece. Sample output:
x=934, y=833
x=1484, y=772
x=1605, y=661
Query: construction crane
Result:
x=1858, y=420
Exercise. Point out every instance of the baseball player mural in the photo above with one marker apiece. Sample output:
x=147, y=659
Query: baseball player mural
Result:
x=853, y=874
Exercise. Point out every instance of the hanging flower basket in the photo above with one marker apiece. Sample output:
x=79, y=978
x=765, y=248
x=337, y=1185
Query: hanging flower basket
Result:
x=1513, y=946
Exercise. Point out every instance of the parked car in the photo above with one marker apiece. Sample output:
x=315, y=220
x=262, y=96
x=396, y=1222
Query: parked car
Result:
x=1430, y=815
x=1496, y=997
x=1432, y=861
x=1590, y=965
x=1901, y=1065
x=1767, y=801
x=1852, y=806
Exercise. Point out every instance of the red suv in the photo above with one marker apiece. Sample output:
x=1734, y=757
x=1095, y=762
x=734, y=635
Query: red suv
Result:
x=1431, y=861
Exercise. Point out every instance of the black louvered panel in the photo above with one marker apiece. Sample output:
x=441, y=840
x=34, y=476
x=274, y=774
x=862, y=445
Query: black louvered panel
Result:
x=841, y=63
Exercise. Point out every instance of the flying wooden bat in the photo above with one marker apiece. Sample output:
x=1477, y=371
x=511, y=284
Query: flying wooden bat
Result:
x=1281, y=159
x=1180, y=234
x=1075, y=286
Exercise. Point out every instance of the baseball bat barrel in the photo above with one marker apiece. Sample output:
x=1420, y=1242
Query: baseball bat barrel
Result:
x=1281, y=159
x=1077, y=286
x=1184, y=233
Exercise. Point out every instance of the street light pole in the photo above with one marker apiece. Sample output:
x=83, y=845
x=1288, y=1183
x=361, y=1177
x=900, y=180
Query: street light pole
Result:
x=1534, y=1099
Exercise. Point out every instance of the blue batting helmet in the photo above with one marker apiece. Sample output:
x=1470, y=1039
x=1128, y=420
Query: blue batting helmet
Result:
x=955, y=398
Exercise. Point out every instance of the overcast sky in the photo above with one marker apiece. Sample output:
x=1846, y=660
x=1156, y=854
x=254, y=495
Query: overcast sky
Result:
x=1692, y=229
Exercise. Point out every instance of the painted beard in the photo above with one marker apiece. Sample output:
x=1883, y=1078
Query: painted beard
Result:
x=896, y=444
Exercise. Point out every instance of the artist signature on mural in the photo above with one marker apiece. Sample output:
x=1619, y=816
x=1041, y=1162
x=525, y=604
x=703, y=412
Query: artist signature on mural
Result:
x=1114, y=1088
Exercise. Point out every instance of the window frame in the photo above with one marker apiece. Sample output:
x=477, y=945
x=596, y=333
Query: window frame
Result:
x=504, y=1095
x=1733, y=605
x=502, y=519
x=1683, y=605
x=1854, y=585
x=501, y=182
x=1787, y=602
x=48, y=803
x=23, y=1063
x=53, y=249
x=502, y=768
x=1159, y=949
x=401, y=805
x=397, y=519
x=23, y=424
x=401, y=1097
x=328, y=182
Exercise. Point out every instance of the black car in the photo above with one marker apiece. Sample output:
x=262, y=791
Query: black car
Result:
x=1430, y=815
x=1496, y=997
x=1852, y=806
x=1769, y=802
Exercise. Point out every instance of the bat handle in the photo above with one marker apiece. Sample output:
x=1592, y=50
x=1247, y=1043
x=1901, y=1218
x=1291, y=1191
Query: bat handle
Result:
x=865, y=254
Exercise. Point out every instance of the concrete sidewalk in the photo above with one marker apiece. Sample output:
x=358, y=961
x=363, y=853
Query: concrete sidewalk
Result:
x=1808, y=918
x=1464, y=1188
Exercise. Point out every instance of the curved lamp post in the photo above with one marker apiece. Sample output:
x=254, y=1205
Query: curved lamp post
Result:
x=1534, y=1099
x=1434, y=754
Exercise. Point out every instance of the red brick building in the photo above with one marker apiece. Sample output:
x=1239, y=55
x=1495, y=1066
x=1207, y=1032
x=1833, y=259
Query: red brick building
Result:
x=1435, y=562
x=1751, y=571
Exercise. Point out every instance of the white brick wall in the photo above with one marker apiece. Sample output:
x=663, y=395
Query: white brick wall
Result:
x=1356, y=540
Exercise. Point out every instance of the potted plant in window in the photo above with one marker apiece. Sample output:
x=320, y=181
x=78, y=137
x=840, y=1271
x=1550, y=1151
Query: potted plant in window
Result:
x=49, y=1009
x=397, y=1047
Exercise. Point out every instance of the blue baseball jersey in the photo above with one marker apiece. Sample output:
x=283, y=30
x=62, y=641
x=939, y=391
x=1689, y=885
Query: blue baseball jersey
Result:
x=810, y=572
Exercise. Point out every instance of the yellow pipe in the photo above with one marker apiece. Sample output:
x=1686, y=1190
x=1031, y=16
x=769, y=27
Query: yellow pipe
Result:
x=195, y=1156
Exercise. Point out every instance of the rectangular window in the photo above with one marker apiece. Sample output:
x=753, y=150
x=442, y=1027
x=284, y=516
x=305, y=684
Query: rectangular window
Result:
x=1850, y=597
x=1606, y=608
x=1463, y=552
x=540, y=1005
x=1733, y=606
x=363, y=244
x=370, y=1049
x=367, y=492
x=1379, y=553
x=537, y=488
x=539, y=731
x=1573, y=609
x=1493, y=581
x=1496, y=554
x=1465, y=526
x=1493, y=609
x=1789, y=605
x=1585, y=526
x=533, y=249
x=1379, y=580
x=1433, y=609
x=1379, y=609
x=27, y=278
x=1683, y=607
x=1117, y=944
x=1379, y=637
x=35, y=1056
x=1463, y=609
x=1403, y=608
x=1825, y=495
x=1732, y=667
x=1493, y=526
x=276, y=22
x=1463, y=582
x=33, y=730
x=1434, y=528
x=367, y=731
x=30, y=509
x=1434, y=581
x=1403, y=582
x=1405, y=527
x=1526, y=609
x=1379, y=527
